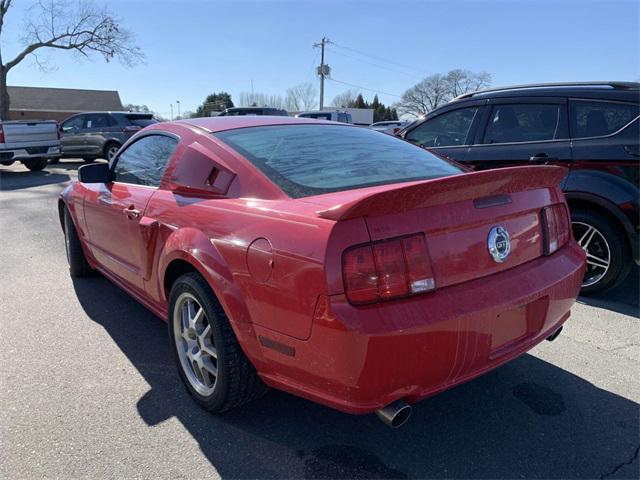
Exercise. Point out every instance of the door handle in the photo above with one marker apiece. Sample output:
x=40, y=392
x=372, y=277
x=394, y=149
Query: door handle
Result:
x=542, y=159
x=131, y=212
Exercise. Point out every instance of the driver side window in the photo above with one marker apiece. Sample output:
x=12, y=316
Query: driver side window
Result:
x=445, y=130
x=144, y=161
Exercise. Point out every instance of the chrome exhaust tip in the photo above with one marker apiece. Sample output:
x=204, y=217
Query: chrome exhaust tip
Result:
x=554, y=335
x=395, y=414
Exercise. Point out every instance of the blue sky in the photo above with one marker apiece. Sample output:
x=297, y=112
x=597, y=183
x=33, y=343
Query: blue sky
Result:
x=194, y=48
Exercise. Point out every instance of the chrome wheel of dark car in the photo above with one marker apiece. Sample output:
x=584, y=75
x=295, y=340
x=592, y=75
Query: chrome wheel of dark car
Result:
x=194, y=344
x=597, y=249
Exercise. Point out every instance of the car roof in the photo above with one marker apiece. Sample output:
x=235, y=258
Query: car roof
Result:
x=239, y=109
x=121, y=112
x=625, y=91
x=218, y=124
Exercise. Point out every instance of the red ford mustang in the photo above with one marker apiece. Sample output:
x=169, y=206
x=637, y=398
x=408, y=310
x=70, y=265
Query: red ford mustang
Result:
x=348, y=267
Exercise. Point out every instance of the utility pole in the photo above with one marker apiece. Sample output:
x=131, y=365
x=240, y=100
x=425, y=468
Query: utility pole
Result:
x=323, y=70
x=172, y=111
x=178, y=102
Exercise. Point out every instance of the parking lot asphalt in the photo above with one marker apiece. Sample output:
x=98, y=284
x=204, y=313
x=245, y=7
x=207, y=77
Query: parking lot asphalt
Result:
x=88, y=388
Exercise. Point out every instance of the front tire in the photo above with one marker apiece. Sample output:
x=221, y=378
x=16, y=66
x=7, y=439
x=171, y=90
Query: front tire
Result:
x=210, y=361
x=608, y=254
x=36, y=164
x=78, y=265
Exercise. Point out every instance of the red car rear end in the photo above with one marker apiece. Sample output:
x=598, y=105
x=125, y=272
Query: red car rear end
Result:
x=353, y=268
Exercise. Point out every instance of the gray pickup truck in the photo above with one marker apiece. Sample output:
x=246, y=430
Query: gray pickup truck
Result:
x=31, y=142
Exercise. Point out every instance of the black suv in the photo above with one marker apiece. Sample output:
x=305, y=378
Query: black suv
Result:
x=235, y=111
x=94, y=135
x=591, y=128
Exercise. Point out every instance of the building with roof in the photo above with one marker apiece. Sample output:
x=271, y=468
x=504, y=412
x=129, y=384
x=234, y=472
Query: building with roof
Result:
x=39, y=103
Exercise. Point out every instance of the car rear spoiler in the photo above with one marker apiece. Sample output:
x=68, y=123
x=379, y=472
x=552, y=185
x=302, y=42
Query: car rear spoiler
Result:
x=438, y=191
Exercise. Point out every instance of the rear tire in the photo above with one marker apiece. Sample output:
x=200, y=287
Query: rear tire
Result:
x=608, y=254
x=110, y=150
x=210, y=346
x=36, y=164
x=78, y=265
x=54, y=160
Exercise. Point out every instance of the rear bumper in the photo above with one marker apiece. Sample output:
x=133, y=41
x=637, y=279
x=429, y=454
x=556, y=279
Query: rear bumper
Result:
x=359, y=359
x=28, y=153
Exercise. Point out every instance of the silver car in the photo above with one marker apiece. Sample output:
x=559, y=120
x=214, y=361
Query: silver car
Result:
x=94, y=135
x=389, y=126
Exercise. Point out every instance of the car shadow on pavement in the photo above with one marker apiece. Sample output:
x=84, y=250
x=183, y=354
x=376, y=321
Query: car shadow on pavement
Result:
x=623, y=299
x=526, y=419
x=19, y=179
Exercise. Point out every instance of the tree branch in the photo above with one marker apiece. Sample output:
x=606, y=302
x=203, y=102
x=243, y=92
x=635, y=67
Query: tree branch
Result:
x=53, y=24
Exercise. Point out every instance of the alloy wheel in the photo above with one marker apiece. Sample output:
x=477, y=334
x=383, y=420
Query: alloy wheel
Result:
x=597, y=249
x=194, y=344
x=111, y=152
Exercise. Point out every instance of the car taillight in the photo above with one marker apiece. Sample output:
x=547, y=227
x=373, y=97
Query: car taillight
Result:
x=1, y=134
x=132, y=128
x=388, y=269
x=555, y=220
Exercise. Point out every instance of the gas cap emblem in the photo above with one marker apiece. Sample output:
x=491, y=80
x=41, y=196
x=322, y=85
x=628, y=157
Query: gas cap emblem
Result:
x=499, y=243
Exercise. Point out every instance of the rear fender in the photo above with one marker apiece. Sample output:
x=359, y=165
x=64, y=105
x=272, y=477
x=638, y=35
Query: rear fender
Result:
x=197, y=249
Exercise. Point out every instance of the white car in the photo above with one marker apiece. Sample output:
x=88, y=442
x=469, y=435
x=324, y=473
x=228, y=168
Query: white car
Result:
x=389, y=126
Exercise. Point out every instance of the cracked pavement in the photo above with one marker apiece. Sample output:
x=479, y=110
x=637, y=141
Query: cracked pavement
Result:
x=88, y=389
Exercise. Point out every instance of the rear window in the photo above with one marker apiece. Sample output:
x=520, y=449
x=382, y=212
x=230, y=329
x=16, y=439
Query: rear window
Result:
x=306, y=160
x=527, y=122
x=595, y=119
x=141, y=120
x=321, y=116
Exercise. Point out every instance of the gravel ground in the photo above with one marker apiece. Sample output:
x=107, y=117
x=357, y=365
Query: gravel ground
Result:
x=88, y=389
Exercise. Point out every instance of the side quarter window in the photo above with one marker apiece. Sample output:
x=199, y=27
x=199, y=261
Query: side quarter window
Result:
x=446, y=130
x=144, y=161
x=596, y=119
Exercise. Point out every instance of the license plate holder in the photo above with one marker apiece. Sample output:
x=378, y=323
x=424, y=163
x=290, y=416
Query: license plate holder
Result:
x=509, y=326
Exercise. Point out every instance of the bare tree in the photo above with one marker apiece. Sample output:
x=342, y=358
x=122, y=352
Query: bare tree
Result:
x=81, y=27
x=259, y=99
x=438, y=89
x=344, y=99
x=465, y=81
x=301, y=97
x=423, y=97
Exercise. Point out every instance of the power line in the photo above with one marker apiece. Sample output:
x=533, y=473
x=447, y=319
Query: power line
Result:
x=375, y=65
x=385, y=60
x=364, y=88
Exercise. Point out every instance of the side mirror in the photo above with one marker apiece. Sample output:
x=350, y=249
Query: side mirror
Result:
x=94, y=173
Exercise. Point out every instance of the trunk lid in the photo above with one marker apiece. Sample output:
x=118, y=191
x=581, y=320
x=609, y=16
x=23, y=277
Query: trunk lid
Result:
x=456, y=214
